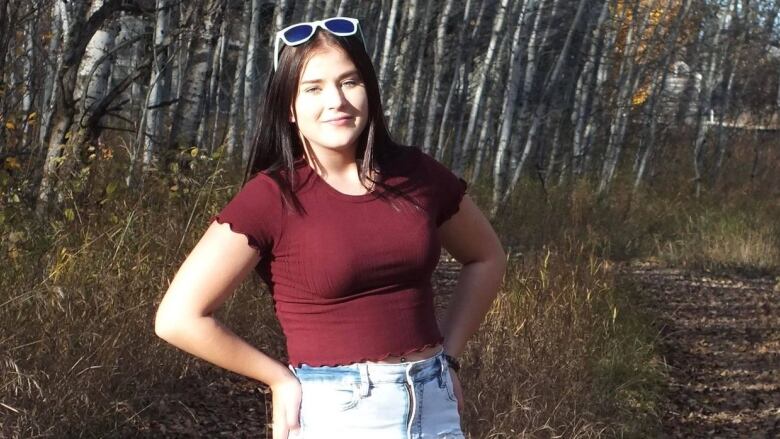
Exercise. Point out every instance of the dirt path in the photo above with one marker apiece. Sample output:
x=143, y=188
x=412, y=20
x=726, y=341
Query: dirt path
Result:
x=721, y=342
x=229, y=405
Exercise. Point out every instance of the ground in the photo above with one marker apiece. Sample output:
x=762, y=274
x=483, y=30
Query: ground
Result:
x=720, y=337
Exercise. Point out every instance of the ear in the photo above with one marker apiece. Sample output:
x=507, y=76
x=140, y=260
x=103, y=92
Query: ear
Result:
x=292, y=116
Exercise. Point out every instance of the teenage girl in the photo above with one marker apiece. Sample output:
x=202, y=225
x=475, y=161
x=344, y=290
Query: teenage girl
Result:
x=345, y=227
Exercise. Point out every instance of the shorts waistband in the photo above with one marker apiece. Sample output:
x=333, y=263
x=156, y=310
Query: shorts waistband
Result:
x=419, y=370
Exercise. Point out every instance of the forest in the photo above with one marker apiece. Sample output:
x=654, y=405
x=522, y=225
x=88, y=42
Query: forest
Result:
x=595, y=134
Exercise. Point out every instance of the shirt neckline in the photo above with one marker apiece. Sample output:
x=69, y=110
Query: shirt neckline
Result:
x=319, y=181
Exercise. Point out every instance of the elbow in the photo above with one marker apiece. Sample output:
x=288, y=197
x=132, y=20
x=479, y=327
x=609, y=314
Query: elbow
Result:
x=164, y=325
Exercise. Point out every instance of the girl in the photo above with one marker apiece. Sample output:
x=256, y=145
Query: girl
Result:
x=345, y=227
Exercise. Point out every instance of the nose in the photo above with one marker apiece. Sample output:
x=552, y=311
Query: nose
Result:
x=334, y=97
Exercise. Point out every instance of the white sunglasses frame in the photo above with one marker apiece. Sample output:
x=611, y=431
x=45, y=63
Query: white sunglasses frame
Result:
x=314, y=25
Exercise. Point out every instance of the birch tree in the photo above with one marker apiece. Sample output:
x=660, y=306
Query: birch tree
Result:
x=627, y=82
x=235, y=115
x=550, y=84
x=513, y=85
x=395, y=98
x=191, y=100
x=714, y=61
x=78, y=29
x=252, y=75
x=417, y=84
x=476, y=104
x=159, y=82
x=389, y=43
x=438, y=70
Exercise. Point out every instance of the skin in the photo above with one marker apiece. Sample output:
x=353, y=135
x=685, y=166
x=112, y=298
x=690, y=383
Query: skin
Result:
x=222, y=259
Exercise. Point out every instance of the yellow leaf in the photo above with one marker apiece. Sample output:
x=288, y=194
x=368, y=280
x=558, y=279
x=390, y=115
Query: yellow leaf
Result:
x=69, y=214
x=111, y=188
x=10, y=125
x=32, y=116
x=11, y=163
x=194, y=152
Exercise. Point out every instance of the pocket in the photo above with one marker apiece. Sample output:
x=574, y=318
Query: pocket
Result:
x=328, y=397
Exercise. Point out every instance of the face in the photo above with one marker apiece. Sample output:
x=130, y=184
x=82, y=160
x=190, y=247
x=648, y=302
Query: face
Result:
x=331, y=105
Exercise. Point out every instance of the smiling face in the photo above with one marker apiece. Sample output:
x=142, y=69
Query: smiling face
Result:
x=331, y=104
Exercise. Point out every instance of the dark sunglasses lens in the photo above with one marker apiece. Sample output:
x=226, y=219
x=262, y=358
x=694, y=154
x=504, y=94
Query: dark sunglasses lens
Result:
x=339, y=25
x=298, y=33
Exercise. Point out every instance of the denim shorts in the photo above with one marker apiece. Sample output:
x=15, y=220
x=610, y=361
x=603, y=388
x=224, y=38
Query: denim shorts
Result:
x=413, y=400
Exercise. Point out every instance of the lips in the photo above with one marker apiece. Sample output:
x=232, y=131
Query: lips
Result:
x=339, y=119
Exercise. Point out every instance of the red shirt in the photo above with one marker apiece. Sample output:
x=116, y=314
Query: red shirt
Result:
x=351, y=278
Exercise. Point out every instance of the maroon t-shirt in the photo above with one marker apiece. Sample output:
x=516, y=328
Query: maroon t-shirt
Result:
x=351, y=276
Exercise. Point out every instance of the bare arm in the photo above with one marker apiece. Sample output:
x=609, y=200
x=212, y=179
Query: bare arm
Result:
x=217, y=265
x=471, y=240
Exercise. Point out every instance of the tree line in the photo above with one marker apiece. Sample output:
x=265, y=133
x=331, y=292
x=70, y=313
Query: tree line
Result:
x=500, y=90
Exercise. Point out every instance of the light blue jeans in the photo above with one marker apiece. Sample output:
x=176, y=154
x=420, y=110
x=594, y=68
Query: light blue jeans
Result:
x=411, y=400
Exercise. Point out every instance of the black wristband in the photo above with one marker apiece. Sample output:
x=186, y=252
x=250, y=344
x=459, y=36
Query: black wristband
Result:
x=452, y=362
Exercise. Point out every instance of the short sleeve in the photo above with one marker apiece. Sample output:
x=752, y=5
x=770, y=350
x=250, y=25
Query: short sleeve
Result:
x=255, y=211
x=448, y=189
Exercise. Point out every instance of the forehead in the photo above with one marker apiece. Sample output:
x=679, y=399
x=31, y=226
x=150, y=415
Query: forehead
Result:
x=326, y=61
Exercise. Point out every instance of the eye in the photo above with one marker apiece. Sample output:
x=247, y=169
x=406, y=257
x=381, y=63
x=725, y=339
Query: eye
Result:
x=351, y=82
x=311, y=89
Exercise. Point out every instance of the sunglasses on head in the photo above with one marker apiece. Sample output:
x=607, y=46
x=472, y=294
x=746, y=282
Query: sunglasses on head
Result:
x=302, y=32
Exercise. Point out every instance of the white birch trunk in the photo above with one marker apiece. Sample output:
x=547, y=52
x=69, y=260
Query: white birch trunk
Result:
x=330, y=8
x=456, y=90
x=212, y=97
x=235, y=116
x=78, y=29
x=466, y=47
x=585, y=94
x=510, y=97
x=191, y=100
x=387, y=50
x=344, y=7
x=657, y=93
x=50, y=87
x=438, y=72
x=476, y=105
x=705, y=102
x=627, y=82
x=445, y=134
x=398, y=92
x=30, y=76
x=549, y=86
x=251, y=79
x=217, y=85
x=92, y=82
x=159, y=83
x=417, y=84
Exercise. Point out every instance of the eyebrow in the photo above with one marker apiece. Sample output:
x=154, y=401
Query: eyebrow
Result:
x=342, y=76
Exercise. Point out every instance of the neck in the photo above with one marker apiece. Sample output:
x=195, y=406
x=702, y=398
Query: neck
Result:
x=332, y=162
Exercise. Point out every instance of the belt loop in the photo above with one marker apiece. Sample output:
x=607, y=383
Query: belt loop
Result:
x=364, y=383
x=442, y=368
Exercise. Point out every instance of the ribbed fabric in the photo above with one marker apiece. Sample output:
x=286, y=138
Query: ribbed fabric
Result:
x=351, y=278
